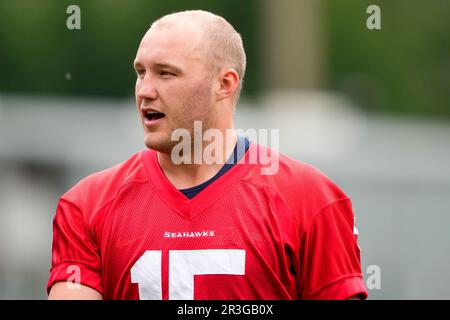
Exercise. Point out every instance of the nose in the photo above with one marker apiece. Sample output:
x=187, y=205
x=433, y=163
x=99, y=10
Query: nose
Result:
x=145, y=89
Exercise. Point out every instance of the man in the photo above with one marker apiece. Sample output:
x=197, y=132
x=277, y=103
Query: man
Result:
x=152, y=228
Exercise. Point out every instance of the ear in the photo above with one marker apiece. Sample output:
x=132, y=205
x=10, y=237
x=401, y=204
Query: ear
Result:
x=228, y=83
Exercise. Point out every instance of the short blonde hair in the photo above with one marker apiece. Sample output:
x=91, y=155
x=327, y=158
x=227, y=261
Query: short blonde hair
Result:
x=224, y=44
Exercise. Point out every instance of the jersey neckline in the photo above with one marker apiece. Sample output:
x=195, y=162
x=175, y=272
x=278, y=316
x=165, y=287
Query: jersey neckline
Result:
x=189, y=208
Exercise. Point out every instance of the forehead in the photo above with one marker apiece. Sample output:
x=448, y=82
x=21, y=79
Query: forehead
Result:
x=174, y=44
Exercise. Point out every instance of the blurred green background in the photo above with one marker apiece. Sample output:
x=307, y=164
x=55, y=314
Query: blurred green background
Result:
x=402, y=68
x=38, y=49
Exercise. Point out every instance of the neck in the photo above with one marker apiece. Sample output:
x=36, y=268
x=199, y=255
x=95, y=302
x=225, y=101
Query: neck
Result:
x=187, y=175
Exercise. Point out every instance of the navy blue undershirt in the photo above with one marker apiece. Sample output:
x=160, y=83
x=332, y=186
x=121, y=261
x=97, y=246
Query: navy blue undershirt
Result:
x=238, y=153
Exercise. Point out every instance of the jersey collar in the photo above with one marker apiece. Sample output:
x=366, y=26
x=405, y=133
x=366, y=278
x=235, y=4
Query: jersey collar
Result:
x=190, y=208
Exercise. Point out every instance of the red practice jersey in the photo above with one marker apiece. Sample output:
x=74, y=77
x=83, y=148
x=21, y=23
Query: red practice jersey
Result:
x=129, y=233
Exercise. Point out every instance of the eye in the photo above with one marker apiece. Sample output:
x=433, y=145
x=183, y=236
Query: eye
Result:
x=140, y=72
x=166, y=74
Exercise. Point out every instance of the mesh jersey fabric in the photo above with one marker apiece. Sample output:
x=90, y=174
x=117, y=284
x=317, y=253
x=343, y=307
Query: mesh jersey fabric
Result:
x=132, y=235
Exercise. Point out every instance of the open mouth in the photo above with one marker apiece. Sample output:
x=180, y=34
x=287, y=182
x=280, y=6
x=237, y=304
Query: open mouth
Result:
x=154, y=115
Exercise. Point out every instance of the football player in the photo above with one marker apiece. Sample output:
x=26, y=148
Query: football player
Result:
x=153, y=228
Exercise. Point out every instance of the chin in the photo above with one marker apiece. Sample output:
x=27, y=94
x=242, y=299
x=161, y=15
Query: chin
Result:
x=158, y=143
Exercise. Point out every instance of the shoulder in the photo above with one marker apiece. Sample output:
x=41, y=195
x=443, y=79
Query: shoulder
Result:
x=300, y=185
x=95, y=190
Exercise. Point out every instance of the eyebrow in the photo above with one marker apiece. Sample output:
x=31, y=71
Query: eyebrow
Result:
x=137, y=63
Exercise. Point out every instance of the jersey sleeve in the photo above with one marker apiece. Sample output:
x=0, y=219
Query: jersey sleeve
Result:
x=75, y=256
x=330, y=255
